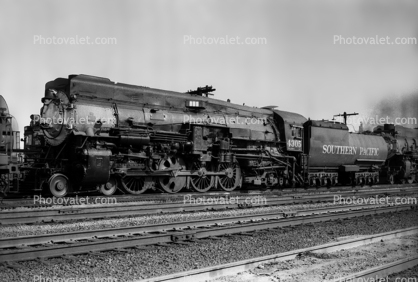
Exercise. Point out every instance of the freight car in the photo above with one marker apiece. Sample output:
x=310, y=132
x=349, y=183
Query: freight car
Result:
x=95, y=134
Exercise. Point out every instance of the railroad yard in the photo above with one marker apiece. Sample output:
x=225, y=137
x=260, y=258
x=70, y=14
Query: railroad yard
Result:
x=272, y=235
x=216, y=141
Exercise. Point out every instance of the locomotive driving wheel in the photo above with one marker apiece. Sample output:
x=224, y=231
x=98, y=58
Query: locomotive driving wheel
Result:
x=201, y=182
x=172, y=184
x=58, y=185
x=232, y=178
x=134, y=184
x=110, y=187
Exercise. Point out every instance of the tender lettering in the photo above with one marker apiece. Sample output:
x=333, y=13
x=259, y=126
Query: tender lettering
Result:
x=349, y=150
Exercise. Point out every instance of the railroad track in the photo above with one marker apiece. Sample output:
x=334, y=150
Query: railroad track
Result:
x=233, y=268
x=134, y=209
x=127, y=231
x=121, y=239
x=381, y=271
x=10, y=203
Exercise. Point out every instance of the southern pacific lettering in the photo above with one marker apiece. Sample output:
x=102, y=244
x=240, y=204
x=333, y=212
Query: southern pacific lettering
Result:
x=349, y=150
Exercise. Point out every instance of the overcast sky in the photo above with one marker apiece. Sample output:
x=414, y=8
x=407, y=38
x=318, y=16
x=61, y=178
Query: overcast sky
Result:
x=298, y=68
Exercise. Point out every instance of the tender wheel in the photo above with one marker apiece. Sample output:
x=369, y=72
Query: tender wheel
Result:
x=280, y=181
x=202, y=182
x=172, y=184
x=110, y=187
x=391, y=179
x=312, y=182
x=410, y=180
x=232, y=178
x=362, y=182
x=134, y=184
x=328, y=182
x=58, y=185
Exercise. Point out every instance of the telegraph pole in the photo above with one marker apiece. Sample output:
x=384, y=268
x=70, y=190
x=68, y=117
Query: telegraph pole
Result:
x=345, y=115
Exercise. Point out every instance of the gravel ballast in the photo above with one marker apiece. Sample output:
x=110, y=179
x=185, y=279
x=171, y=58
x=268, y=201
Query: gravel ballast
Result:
x=16, y=230
x=411, y=274
x=160, y=260
x=326, y=267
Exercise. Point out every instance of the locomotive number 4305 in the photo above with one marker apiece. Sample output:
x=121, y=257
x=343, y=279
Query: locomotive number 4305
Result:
x=294, y=143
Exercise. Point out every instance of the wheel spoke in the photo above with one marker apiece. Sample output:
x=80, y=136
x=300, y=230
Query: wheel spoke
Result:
x=232, y=178
x=201, y=182
x=134, y=184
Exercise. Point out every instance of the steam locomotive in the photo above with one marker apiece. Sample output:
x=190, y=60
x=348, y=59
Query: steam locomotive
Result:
x=95, y=134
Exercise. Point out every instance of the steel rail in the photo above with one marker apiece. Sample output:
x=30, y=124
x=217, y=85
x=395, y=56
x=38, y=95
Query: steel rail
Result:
x=91, y=234
x=382, y=271
x=173, y=197
x=132, y=209
x=217, y=271
x=173, y=234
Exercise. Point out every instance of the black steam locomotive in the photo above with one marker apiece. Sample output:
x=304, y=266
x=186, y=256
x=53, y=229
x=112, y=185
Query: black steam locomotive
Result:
x=95, y=134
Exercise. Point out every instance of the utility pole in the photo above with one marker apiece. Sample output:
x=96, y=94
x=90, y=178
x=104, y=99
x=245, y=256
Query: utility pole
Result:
x=345, y=115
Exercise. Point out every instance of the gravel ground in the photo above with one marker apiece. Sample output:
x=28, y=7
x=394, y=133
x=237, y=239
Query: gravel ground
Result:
x=79, y=225
x=159, y=260
x=314, y=267
x=410, y=274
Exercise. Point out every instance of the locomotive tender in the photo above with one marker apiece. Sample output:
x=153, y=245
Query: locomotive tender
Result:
x=95, y=134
